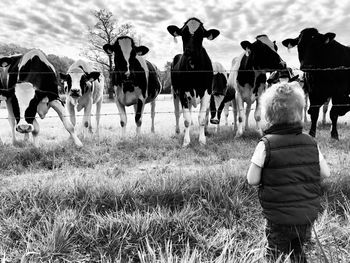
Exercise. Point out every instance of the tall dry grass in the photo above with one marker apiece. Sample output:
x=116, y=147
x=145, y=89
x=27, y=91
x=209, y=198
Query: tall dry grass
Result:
x=146, y=199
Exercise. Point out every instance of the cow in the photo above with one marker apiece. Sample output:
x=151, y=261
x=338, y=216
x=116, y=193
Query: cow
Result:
x=222, y=96
x=304, y=83
x=136, y=81
x=83, y=87
x=248, y=76
x=326, y=62
x=192, y=75
x=29, y=85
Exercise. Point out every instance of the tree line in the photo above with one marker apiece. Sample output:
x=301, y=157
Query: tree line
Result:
x=105, y=30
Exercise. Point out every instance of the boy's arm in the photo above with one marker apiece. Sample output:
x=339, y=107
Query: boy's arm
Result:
x=257, y=162
x=254, y=174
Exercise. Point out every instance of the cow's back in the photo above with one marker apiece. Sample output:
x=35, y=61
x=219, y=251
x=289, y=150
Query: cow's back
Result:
x=198, y=78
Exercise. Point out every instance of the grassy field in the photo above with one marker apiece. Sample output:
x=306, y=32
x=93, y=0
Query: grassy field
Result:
x=147, y=199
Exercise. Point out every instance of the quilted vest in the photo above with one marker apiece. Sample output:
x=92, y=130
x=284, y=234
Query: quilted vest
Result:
x=290, y=182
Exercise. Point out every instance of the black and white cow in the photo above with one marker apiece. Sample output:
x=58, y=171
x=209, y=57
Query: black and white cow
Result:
x=136, y=80
x=192, y=75
x=305, y=85
x=248, y=76
x=222, y=95
x=317, y=54
x=83, y=87
x=29, y=84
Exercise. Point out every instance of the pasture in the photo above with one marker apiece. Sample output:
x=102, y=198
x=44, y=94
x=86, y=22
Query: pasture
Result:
x=147, y=199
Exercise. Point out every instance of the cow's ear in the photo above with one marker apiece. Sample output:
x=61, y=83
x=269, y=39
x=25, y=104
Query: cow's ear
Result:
x=290, y=42
x=174, y=31
x=93, y=75
x=275, y=45
x=141, y=50
x=329, y=37
x=211, y=34
x=5, y=94
x=6, y=61
x=63, y=76
x=108, y=48
x=246, y=45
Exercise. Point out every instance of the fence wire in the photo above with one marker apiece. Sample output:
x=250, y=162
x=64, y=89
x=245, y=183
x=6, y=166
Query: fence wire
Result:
x=340, y=68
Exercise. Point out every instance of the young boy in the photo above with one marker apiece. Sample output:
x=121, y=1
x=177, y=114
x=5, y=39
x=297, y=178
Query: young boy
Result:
x=287, y=165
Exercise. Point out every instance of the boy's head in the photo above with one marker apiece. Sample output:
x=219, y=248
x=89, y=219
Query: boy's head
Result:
x=283, y=103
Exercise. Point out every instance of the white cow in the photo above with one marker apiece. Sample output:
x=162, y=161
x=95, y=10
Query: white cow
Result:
x=83, y=87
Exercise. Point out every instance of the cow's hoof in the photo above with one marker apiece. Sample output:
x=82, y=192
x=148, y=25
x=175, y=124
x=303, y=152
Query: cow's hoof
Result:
x=185, y=144
x=177, y=131
x=335, y=136
x=214, y=121
x=202, y=142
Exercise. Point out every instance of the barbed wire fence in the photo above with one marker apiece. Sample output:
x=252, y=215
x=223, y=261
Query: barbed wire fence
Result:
x=169, y=97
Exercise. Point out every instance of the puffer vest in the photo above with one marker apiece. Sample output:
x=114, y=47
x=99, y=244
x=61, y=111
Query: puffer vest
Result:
x=290, y=181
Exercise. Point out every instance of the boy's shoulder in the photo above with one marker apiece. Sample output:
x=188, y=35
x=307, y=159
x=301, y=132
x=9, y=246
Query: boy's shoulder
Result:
x=289, y=139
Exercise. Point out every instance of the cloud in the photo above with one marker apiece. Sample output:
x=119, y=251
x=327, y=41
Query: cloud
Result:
x=60, y=26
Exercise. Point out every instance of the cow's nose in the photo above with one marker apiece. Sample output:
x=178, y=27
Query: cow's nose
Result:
x=24, y=128
x=75, y=92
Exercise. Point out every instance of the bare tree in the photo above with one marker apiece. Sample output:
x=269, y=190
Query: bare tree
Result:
x=105, y=31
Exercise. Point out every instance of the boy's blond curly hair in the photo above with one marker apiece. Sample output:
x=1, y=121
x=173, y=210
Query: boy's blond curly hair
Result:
x=283, y=103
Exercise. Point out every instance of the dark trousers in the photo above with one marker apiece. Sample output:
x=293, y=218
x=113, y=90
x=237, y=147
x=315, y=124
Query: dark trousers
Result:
x=287, y=239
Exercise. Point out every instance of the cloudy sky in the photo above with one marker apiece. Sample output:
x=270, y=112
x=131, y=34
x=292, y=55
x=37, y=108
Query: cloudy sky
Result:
x=60, y=26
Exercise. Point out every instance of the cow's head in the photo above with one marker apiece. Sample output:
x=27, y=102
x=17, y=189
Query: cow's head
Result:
x=129, y=68
x=262, y=54
x=26, y=101
x=78, y=82
x=311, y=47
x=192, y=34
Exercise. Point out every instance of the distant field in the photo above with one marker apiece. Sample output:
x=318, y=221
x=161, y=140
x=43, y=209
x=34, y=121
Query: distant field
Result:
x=147, y=199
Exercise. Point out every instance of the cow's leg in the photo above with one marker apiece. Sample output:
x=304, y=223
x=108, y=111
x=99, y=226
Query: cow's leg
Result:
x=71, y=111
x=12, y=120
x=57, y=106
x=123, y=118
x=247, y=112
x=206, y=122
x=187, y=123
x=334, y=118
x=98, y=116
x=139, y=107
x=257, y=117
x=35, y=132
x=226, y=112
x=220, y=109
x=325, y=109
x=240, y=108
x=234, y=110
x=202, y=117
x=313, y=111
x=87, y=117
x=176, y=101
x=153, y=113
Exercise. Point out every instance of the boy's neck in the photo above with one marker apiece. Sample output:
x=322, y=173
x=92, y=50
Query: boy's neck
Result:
x=285, y=128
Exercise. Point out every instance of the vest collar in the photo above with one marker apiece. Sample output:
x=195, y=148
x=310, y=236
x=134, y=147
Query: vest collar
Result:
x=284, y=128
